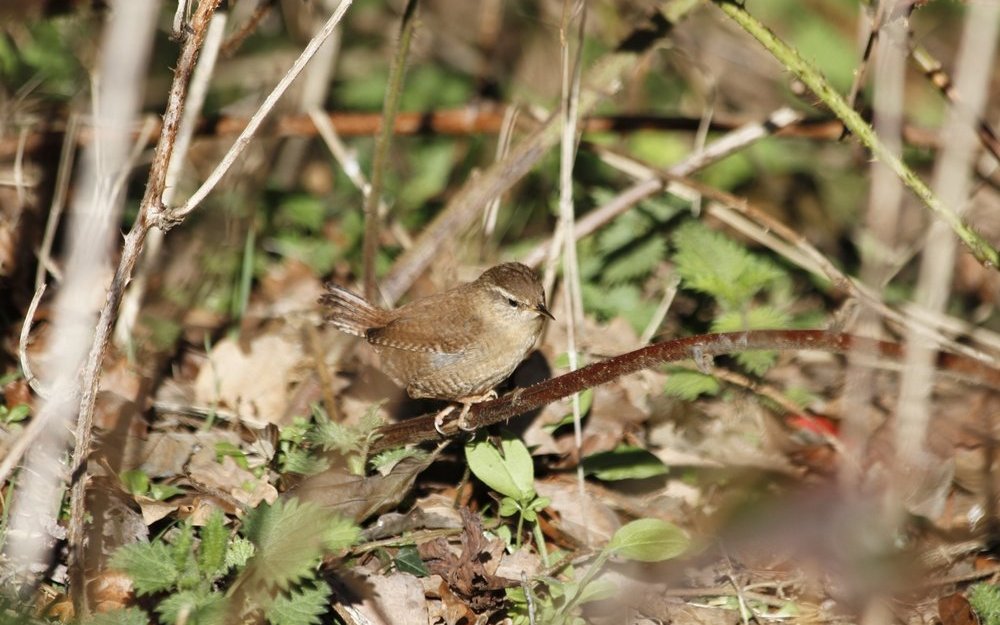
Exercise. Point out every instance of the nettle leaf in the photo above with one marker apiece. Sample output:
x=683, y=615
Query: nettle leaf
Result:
x=150, y=566
x=713, y=264
x=625, y=462
x=301, y=461
x=127, y=616
x=637, y=261
x=199, y=607
x=757, y=318
x=623, y=231
x=509, y=470
x=689, y=385
x=212, y=551
x=305, y=606
x=238, y=552
x=290, y=537
x=648, y=540
x=387, y=460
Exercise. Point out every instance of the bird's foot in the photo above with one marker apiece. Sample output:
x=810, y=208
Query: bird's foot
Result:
x=463, y=424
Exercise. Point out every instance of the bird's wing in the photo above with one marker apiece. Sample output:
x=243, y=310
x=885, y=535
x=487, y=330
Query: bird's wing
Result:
x=430, y=325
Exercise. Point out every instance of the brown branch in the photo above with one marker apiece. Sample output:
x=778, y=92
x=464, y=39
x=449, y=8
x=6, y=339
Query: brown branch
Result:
x=130, y=254
x=421, y=429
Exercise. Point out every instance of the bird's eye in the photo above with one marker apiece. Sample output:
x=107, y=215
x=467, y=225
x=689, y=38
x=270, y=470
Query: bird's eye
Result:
x=512, y=302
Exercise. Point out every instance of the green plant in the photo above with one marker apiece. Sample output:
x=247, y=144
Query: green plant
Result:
x=556, y=601
x=751, y=292
x=276, y=557
x=510, y=471
x=985, y=600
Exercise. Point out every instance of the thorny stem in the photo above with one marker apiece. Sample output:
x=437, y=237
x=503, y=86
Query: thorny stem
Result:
x=790, y=58
x=524, y=400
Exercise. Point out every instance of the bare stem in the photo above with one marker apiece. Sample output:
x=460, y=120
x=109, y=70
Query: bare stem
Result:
x=524, y=400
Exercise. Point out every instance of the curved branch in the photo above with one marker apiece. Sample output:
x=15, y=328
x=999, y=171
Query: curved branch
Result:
x=699, y=347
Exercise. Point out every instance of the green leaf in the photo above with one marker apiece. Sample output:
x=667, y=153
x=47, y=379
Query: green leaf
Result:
x=625, y=462
x=301, y=461
x=162, y=492
x=387, y=460
x=648, y=540
x=290, y=537
x=637, y=261
x=408, y=561
x=200, y=607
x=713, y=264
x=150, y=566
x=238, y=552
x=689, y=385
x=509, y=471
x=212, y=551
x=16, y=414
x=225, y=448
x=127, y=616
x=305, y=606
x=135, y=481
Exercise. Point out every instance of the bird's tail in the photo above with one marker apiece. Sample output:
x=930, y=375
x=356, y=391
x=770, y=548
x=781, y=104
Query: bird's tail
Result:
x=350, y=312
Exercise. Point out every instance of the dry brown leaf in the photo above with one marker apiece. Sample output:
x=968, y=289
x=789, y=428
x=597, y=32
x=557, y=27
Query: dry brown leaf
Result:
x=228, y=477
x=396, y=599
x=588, y=520
x=254, y=384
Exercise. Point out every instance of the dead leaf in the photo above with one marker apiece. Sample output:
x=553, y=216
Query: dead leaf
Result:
x=954, y=609
x=253, y=384
x=397, y=599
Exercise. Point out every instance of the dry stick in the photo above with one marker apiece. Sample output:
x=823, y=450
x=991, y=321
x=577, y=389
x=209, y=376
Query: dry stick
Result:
x=152, y=212
x=885, y=201
x=167, y=218
x=65, y=173
x=952, y=179
x=524, y=400
x=569, y=113
x=193, y=103
x=467, y=203
x=390, y=107
x=713, y=152
x=130, y=254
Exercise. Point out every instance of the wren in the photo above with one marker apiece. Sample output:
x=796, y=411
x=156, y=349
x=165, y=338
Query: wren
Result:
x=455, y=345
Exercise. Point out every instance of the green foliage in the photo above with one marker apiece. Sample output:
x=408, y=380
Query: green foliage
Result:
x=303, y=606
x=616, y=263
x=290, y=537
x=690, y=385
x=710, y=263
x=648, y=540
x=299, y=443
x=750, y=290
x=149, y=565
x=14, y=414
x=985, y=600
x=351, y=441
x=408, y=560
x=509, y=471
x=625, y=462
x=137, y=482
x=283, y=543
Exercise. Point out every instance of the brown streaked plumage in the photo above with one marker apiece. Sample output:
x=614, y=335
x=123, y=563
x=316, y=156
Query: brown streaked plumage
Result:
x=455, y=345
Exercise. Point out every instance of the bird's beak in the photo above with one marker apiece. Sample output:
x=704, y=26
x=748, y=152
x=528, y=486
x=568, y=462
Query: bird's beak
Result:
x=542, y=310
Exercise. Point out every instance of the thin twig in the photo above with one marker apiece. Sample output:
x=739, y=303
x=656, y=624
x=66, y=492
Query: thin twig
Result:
x=722, y=147
x=22, y=347
x=383, y=142
x=65, y=173
x=167, y=218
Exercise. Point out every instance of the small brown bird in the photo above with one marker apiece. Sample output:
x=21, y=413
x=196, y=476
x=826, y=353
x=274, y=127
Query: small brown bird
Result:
x=455, y=345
